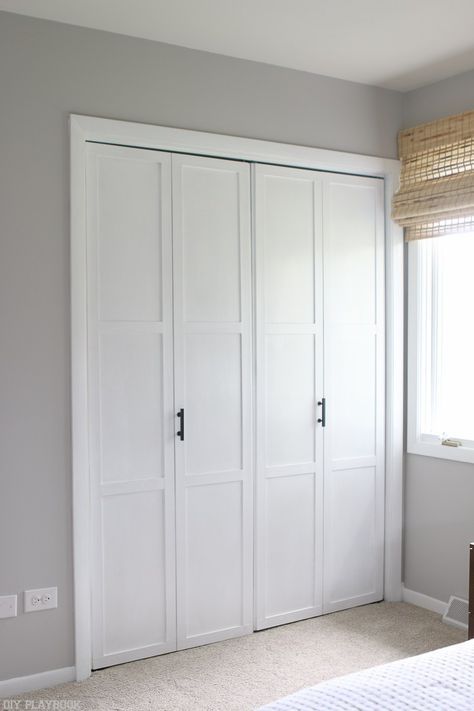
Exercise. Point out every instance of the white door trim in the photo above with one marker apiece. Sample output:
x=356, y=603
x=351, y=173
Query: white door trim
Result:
x=86, y=128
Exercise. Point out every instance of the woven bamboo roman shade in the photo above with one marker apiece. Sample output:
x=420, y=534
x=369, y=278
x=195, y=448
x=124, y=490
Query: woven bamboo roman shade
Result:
x=436, y=194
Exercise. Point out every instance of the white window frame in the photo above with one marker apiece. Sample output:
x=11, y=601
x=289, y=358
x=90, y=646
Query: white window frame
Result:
x=418, y=442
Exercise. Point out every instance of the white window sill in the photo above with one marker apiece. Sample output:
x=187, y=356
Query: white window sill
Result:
x=441, y=451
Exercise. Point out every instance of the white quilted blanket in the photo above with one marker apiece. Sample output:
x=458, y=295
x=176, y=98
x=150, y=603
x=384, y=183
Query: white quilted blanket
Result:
x=442, y=680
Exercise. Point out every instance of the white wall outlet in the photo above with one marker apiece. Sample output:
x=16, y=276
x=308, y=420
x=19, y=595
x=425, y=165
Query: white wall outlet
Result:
x=8, y=606
x=41, y=599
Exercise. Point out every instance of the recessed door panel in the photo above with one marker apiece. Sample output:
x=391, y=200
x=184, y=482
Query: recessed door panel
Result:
x=129, y=237
x=289, y=401
x=131, y=405
x=288, y=245
x=131, y=413
x=293, y=519
x=214, y=559
x=134, y=555
x=351, y=249
x=352, y=372
x=212, y=307
x=210, y=233
x=213, y=392
x=352, y=549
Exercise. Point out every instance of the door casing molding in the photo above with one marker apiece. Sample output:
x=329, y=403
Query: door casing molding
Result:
x=85, y=129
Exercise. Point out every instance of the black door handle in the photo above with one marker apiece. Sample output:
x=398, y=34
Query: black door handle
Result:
x=180, y=432
x=322, y=419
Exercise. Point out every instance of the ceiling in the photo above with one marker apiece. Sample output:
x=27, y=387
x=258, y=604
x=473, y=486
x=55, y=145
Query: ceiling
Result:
x=397, y=44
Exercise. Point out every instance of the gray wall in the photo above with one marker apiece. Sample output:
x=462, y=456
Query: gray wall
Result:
x=439, y=495
x=439, y=524
x=449, y=96
x=47, y=71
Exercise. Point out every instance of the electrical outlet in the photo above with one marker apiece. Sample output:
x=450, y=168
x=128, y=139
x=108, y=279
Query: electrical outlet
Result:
x=8, y=606
x=41, y=599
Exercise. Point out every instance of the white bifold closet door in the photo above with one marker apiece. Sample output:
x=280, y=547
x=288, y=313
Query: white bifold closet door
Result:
x=354, y=386
x=158, y=226
x=131, y=413
x=169, y=333
x=212, y=308
x=289, y=441
x=319, y=325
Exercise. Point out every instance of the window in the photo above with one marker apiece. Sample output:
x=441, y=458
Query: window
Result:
x=441, y=347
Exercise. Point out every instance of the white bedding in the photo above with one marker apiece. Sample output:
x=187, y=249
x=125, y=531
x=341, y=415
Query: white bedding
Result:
x=442, y=680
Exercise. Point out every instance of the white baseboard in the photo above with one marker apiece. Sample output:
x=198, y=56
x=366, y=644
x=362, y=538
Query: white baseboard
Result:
x=420, y=600
x=20, y=684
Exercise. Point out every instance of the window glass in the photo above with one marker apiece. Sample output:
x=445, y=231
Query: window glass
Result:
x=446, y=366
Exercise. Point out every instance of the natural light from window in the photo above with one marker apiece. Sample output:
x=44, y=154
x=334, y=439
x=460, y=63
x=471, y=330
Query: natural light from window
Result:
x=446, y=366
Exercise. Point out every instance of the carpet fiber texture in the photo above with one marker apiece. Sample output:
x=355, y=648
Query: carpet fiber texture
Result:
x=242, y=674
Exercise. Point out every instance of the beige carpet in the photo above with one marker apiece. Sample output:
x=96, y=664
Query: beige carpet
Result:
x=241, y=674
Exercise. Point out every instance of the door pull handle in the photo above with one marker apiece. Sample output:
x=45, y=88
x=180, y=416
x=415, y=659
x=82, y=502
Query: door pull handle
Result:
x=322, y=404
x=180, y=432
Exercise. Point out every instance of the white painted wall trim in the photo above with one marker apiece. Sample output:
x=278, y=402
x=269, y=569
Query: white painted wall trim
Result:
x=80, y=441
x=425, y=601
x=394, y=401
x=213, y=144
x=86, y=128
x=44, y=680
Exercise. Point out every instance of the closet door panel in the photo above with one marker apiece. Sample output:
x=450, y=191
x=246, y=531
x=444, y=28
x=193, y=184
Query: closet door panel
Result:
x=289, y=249
x=213, y=364
x=129, y=238
x=214, y=557
x=211, y=235
x=354, y=388
x=353, y=403
x=131, y=414
x=289, y=399
x=134, y=553
x=212, y=289
x=131, y=398
x=352, y=548
x=292, y=544
x=288, y=257
x=351, y=249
